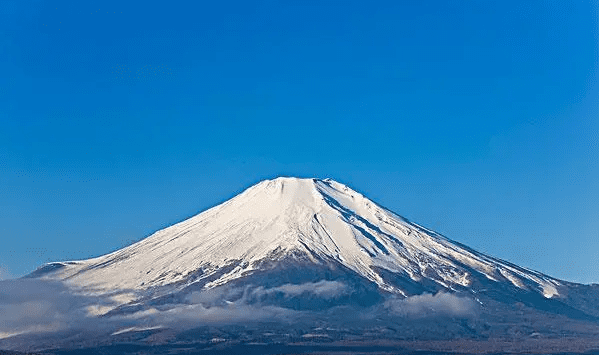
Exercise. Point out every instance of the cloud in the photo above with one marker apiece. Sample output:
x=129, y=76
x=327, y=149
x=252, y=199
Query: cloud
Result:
x=230, y=305
x=42, y=306
x=215, y=296
x=32, y=305
x=236, y=312
x=426, y=305
x=49, y=314
x=324, y=289
x=39, y=306
x=253, y=295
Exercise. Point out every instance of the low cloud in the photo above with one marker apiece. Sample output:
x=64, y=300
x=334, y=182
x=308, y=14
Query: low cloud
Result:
x=217, y=296
x=324, y=289
x=30, y=305
x=321, y=289
x=34, y=306
x=252, y=294
x=237, y=312
x=426, y=305
x=40, y=306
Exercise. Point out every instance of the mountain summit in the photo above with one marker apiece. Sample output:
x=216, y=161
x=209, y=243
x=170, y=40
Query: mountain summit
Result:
x=321, y=222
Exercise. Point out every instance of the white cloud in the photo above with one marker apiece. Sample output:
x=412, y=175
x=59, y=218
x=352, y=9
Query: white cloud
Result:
x=323, y=289
x=231, y=313
x=252, y=295
x=428, y=305
x=37, y=306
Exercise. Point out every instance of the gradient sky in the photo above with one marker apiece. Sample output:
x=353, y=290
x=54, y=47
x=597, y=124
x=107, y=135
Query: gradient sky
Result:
x=478, y=119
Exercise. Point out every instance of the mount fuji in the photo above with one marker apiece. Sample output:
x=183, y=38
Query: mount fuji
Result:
x=299, y=261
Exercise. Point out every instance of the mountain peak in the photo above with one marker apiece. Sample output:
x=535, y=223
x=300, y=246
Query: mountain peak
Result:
x=296, y=183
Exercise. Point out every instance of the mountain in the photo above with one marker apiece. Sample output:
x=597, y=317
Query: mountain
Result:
x=322, y=221
x=314, y=252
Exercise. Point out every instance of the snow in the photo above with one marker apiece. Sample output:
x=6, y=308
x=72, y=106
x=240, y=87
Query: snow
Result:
x=135, y=329
x=283, y=216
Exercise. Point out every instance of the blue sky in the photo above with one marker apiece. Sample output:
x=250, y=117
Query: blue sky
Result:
x=478, y=119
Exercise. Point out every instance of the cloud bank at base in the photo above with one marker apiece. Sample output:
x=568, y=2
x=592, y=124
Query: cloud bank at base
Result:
x=38, y=306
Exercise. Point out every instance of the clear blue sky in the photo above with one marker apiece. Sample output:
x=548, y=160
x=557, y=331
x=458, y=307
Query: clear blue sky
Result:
x=479, y=119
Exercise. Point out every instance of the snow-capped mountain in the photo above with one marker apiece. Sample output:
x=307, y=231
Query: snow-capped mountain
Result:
x=322, y=221
x=291, y=261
